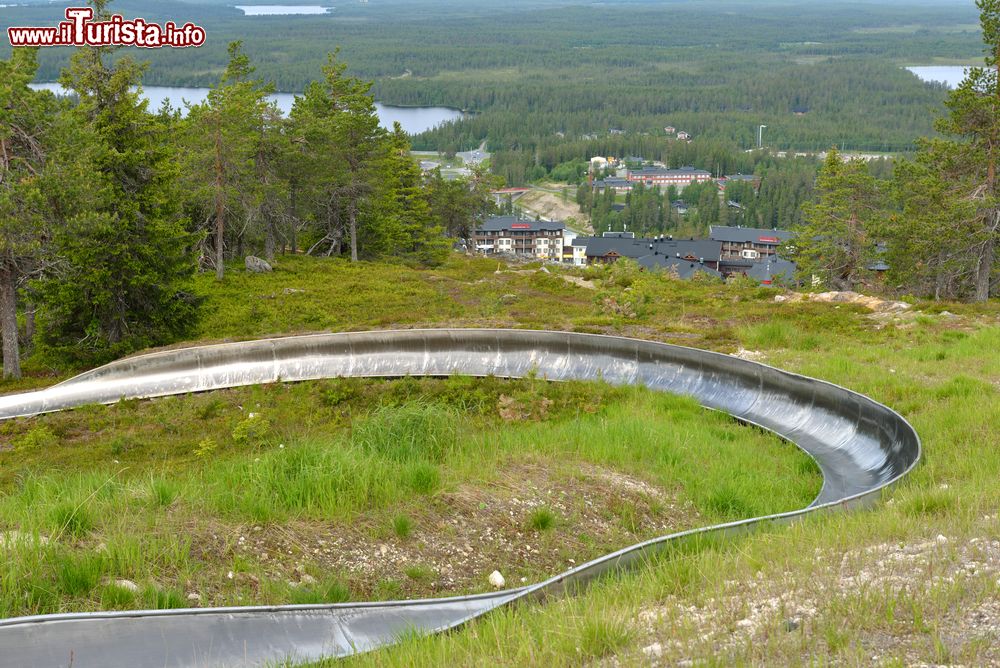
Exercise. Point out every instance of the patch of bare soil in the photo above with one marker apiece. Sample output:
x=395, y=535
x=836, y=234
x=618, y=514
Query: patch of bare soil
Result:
x=461, y=536
x=550, y=205
x=917, y=602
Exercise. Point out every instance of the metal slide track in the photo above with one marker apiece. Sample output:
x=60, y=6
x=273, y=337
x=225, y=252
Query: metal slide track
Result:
x=861, y=447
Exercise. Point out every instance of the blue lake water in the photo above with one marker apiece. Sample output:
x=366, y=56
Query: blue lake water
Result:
x=951, y=75
x=413, y=119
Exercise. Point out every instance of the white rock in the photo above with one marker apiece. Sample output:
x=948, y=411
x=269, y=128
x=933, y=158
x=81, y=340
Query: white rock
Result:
x=11, y=539
x=655, y=650
x=230, y=575
x=256, y=265
x=497, y=580
x=942, y=539
x=193, y=597
x=127, y=584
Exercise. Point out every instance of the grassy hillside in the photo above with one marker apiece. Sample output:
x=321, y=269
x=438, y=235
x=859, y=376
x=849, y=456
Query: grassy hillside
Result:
x=339, y=503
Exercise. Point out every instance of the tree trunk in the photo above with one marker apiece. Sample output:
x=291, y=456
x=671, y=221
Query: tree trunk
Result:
x=220, y=207
x=291, y=216
x=8, y=322
x=269, y=240
x=29, y=324
x=984, y=270
x=353, y=220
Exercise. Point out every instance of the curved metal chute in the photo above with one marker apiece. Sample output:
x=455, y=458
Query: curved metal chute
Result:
x=860, y=446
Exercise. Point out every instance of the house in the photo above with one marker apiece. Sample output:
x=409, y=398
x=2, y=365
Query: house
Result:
x=660, y=178
x=740, y=178
x=680, y=206
x=685, y=269
x=617, y=184
x=612, y=246
x=748, y=243
x=509, y=234
x=684, y=136
x=771, y=271
x=670, y=130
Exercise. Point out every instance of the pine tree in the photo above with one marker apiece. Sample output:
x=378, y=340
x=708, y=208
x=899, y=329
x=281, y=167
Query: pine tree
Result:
x=229, y=157
x=962, y=173
x=834, y=243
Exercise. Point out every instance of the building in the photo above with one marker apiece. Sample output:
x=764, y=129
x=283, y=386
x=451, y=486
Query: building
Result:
x=740, y=178
x=684, y=136
x=748, y=244
x=613, y=246
x=509, y=234
x=670, y=130
x=619, y=185
x=662, y=178
x=684, y=269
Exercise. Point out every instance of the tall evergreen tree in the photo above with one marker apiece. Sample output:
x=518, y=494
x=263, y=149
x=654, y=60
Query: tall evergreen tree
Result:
x=961, y=169
x=229, y=165
x=125, y=263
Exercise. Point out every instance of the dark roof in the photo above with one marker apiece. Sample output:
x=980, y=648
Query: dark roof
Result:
x=668, y=248
x=503, y=223
x=660, y=171
x=684, y=268
x=747, y=234
x=601, y=246
x=766, y=271
x=612, y=182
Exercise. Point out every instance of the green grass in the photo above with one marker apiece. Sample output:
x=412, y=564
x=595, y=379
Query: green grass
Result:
x=375, y=453
x=541, y=519
x=163, y=487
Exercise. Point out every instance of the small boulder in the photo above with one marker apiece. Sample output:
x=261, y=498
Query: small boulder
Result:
x=127, y=585
x=256, y=265
x=497, y=580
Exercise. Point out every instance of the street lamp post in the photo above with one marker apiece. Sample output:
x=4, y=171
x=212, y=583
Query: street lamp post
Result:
x=760, y=136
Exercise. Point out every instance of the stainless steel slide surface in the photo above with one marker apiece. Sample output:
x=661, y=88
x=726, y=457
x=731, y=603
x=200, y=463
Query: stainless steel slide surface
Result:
x=860, y=445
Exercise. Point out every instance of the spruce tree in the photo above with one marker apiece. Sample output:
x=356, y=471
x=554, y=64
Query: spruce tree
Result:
x=122, y=282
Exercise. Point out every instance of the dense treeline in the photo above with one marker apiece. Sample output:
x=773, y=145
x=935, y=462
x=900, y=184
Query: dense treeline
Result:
x=931, y=229
x=107, y=209
x=538, y=77
x=773, y=199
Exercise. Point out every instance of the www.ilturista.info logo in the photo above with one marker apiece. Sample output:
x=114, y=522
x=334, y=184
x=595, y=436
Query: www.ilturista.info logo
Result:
x=80, y=30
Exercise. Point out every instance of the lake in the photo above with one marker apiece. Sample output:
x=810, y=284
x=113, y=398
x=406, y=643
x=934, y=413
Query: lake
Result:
x=281, y=10
x=951, y=75
x=413, y=119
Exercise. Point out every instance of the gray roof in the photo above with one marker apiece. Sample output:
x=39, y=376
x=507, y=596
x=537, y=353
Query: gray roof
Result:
x=684, y=268
x=601, y=246
x=740, y=177
x=659, y=171
x=706, y=249
x=504, y=223
x=766, y=271
x=747, y=234
x=612, y=182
